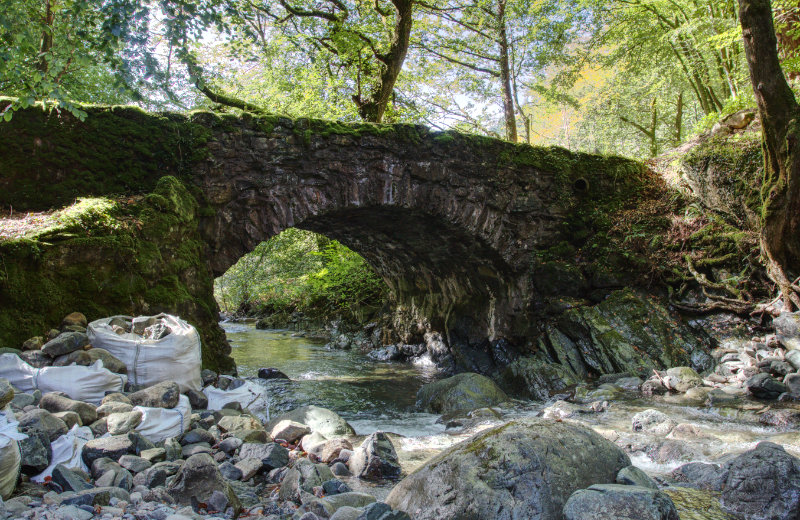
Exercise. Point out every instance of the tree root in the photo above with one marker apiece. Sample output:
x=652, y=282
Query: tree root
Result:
x=700, y=309
x=794, y=298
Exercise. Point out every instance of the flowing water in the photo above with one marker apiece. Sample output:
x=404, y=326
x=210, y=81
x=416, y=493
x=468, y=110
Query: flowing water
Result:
x=380, y=396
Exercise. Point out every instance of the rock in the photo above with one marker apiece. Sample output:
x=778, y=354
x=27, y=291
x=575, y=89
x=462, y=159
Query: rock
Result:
x=460, y=393
x=35, y=451
x=793, y=358
x=97, y=496
x=44, y=421
x=332, y=448
x=683, y=378
x=326, y=507
x=69, y=418
x=231, y=472
x=780, y=368
x=21, y=400
x=320, y=420
x=537, y=378
x=289, y=431
x=116, y=477
x=313, y=444
x=74, y=319
x=135, y=464
x=109, y=361
x=230, y=445
x=633, y=476
x=304, y=475
x=249, y=467
x=699, y=474
x=340, y=470
x=106, y=409
x=54, y=402
x=375, y=459
x=34, y=343
x=335, y=486
x=197, y=435
x=6, y=392
x=197, y=400
x=99, y=427
x=653, y=422
x=154, y=455
x=112, y=447
x=239, y=423
x=381, y=511
x=508, y=472
x=116, y=397
x=198, y=479
x=271, y=455
x=36, y=358
x=764, y=386
x=787, y=329
x=653, y=387
x=193, y=449
x=271, y=373
x=618, y=502
x=346, y=513
x=792, y=382
x=208, y=376
x=762, y=484
x=64, y=344
x=161, y=395
x=79, y=357
x=172, y=449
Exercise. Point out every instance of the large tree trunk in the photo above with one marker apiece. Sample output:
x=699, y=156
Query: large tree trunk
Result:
x=374, y=108
x=779, y=111
x=505, y=74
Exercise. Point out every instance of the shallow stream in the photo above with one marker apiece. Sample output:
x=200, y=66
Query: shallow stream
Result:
x=380, y=396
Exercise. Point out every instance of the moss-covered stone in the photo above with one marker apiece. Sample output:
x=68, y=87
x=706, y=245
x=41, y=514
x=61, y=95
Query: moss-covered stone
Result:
x=460, y=393
x=103, y=257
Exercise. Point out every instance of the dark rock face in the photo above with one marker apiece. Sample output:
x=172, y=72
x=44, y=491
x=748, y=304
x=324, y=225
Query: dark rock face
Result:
x=448, y=220
x=605, y=501
x=764, y=386
x=271, y=373
x=460, y=393
x=521, y=470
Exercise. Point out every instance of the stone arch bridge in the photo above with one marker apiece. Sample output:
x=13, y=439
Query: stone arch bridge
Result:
x=450, y=221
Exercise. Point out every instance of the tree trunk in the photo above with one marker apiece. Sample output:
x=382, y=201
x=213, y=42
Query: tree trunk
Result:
x=47, y=37
x=779, y=111
x=505, y=74
x=374, y=108
x=678, y=136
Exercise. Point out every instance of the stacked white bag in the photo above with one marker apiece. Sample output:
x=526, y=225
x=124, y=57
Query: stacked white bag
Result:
x=159, y=424
x=82, y=383
x=67, y=450
x=175, y=357
x=10, y=460
x=250, y=395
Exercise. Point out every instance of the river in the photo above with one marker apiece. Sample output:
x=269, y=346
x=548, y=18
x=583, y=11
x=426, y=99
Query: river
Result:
x=380, y=396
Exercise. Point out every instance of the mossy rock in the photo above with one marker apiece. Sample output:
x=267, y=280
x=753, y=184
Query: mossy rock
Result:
x=460, y=393
x=697, y=504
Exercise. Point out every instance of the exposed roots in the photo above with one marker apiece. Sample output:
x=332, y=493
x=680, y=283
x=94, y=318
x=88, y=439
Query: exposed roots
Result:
x=788, y=294
x=737, y=305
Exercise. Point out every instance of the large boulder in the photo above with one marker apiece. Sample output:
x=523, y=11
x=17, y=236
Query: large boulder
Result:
x=65, y=343
x=320, y=420
x=271, y=455
x=460, y=393
x=787, y=328
x=620, y=502
x=521, y=470
x=375, y=459
x=762, y=484
x=199, y=479
x=44, y=421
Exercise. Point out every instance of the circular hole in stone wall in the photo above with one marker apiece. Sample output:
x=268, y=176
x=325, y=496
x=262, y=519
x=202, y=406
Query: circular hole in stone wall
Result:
x=580, y=185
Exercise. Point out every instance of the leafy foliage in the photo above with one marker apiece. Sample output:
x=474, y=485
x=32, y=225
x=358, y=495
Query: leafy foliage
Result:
x=300, y=271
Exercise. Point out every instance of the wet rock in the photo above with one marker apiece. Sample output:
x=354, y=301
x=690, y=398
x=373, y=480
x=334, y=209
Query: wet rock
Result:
x=64, y=344
x=607, y=501
x=198, y=479
x=653, y=387
x=54, y=402
x=533, y=465
x=762, y=484
x=43, y=420
x=652, y=422
x=313, y=444
x=633, y=476
x=271, y=455
x=331, y=449
x=537, y=378
x=764, y=386
x=672, y=451
x=320, y=420
x=112, y=447
x=460, y=393
x=375, y=459
x=161, y=395
x=289, y=431
x=304, y=475
x=271, y=373
x=6, y=392
x=787, y=329
x=698, y=474
x=326, y=507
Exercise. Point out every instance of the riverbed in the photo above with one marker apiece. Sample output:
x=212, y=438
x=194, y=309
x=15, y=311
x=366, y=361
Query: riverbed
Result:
x=380, y=396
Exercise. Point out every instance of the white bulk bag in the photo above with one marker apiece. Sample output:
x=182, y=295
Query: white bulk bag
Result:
x=159, y=424
x=175, y=357
x=67, y=450
x=10, y=460
x=89, y=384
x=250, y=395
